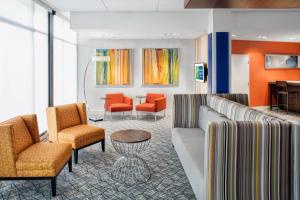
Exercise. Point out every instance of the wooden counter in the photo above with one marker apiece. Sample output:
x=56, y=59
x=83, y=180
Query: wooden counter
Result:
x=292, y=86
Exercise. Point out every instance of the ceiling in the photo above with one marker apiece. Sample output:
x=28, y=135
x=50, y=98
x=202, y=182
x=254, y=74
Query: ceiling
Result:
x=167, y=19
x=116, y=5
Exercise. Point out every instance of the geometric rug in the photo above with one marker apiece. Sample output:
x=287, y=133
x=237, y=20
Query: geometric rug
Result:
x=91, y=179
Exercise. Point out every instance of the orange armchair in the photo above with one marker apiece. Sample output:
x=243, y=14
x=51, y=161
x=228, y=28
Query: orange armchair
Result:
x=154, y=103
x=68, y=124
x=117, y=102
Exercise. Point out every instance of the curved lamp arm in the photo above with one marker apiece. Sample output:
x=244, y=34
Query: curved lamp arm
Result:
x=85, y=71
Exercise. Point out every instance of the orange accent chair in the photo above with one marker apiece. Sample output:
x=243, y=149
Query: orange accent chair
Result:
x=117, y=102
x=68, y=124
x=24, y=157
x=154, y=103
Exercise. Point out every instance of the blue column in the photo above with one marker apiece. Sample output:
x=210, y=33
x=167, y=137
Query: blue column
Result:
x=222, y=62
x=218, y=62
x=209, y=64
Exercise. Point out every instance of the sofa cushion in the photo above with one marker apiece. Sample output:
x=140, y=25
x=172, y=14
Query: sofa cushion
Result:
x=81, y=135
x=149, y=107
x=20, y=135
x=207, y=115
x=189, y=144
x=68, y=115
x=119, y=107
x=43, y=159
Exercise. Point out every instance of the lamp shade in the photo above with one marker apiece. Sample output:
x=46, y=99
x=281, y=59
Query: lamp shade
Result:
x=101, y=58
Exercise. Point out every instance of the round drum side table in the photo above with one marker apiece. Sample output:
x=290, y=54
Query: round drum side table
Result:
x=130, y=168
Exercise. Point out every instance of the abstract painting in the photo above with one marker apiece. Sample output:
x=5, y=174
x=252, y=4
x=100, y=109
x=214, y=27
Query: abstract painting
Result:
x=273, y=61
x=160, y=66
x=116, y=72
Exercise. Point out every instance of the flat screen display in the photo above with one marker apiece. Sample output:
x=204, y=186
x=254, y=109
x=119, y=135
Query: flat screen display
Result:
x=200, y=72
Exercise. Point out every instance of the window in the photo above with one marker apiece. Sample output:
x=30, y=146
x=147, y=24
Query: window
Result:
x=65, y=62
x=23, y=60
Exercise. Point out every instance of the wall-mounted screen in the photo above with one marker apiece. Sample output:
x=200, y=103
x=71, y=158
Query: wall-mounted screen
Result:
x=160, y=66
x=117, y=71
x=276, y=61
x=200, y=72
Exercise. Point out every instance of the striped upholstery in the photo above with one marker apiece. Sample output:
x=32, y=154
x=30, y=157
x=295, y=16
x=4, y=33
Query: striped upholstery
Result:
x=251, y=157
x=185, y=110
x=239, y=98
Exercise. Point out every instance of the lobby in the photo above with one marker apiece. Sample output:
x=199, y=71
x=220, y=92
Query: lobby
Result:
x=149, y=99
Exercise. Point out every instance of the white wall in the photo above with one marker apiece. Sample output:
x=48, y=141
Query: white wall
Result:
x=186, y=70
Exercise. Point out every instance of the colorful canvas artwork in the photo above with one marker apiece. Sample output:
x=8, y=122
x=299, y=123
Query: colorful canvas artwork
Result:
x=160, y=66
x=282, y=61
x=118, y=71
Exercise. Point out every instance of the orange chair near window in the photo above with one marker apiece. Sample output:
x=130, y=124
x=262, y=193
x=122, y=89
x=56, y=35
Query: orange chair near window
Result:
x=154, y=103
x=117, y=102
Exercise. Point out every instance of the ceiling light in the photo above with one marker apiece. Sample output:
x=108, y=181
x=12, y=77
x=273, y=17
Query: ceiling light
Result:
x=233, y=35
x=262, y=37
x=173, y=34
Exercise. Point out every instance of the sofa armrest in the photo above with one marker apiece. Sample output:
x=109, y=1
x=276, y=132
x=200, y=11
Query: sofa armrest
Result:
x=32, y=125
x=186, y=110
x=53, y=124
x=7, y=155
x=245, y=149
x=128, y=100
x=160, y=104
x=81, y=107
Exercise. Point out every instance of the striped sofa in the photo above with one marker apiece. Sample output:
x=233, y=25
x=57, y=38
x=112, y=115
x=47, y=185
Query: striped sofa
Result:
x=230, y=151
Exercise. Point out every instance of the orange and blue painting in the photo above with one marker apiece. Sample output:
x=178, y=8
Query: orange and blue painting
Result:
x=160, y=66
x=116, y=72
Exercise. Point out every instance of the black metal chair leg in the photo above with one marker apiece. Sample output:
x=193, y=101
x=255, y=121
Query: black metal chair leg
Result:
x=70, y=164
x=53, y=187
x=287, y=104
x=103, y=145
x=76, y=156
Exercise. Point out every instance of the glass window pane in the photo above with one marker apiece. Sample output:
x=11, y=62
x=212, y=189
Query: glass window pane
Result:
x=17, y=10
x=41, y=78
x=58, y=24
x=40, y=19
x=16, y=67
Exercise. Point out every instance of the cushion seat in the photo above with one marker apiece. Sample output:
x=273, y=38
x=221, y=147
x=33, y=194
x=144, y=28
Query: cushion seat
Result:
x=119, y=107
x=189, y=144
x=43, y=159
x=149, y=107
x=81, y=135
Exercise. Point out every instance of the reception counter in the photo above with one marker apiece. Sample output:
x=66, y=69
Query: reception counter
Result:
x=292, y=86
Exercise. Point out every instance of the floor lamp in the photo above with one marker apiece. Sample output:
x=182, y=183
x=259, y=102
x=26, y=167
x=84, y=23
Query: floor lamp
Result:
x=92, y=60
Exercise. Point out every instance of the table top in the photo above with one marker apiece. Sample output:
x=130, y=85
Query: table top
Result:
x=288, y=82
x=140, y=96
x=131, y=136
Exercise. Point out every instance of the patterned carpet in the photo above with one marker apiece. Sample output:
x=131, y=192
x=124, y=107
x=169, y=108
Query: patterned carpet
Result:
x=91, y=179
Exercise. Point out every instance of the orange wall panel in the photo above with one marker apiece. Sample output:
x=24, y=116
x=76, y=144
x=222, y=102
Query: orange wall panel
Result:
x=259, y=76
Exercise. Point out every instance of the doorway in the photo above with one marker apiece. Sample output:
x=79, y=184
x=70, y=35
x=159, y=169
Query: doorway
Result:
x=239, y=74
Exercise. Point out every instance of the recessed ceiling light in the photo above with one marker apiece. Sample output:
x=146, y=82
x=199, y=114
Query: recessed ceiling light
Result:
x=294, y=38
x=173, y=34
x=233, y=35
x=262, y=37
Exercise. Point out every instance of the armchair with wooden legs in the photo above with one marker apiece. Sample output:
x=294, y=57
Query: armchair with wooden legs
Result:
x=24, y=157
x=68, y=124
